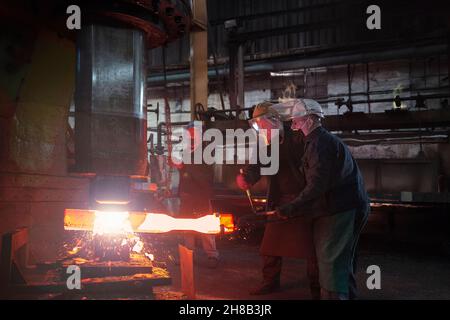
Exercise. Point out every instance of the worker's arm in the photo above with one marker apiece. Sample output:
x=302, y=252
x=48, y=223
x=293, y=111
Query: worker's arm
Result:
x=320, y=160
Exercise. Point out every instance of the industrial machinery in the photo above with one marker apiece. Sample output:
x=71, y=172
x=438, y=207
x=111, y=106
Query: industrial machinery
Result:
x=90, y=115
x=111, y=151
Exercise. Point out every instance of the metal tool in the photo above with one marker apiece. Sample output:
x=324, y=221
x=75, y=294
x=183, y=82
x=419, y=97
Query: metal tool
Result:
x=249, y=195
x=265, y=213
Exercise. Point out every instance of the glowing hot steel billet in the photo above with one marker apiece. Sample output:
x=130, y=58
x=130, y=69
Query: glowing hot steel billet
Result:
x=160, y=223
x=111, y=223
x=102, y=222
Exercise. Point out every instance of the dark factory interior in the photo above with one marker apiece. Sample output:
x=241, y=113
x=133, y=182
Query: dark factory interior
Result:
x=238, y=150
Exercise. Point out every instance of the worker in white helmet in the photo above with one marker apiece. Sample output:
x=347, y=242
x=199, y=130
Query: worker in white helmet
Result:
x=334, y=195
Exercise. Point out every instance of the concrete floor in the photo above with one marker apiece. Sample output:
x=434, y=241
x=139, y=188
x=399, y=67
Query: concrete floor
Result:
x=411, y=273
x=409, y=270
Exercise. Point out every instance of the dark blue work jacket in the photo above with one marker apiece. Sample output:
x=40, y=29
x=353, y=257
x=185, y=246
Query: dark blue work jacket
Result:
x=333, y=180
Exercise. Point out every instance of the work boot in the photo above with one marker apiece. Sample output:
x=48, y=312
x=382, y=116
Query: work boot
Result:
x=266, y=288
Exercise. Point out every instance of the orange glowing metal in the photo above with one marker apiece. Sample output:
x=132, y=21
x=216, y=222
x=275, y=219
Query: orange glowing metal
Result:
x=112, y=223
x=101, y=222
x=112, y=202
x=227, y=221
x=160, y=223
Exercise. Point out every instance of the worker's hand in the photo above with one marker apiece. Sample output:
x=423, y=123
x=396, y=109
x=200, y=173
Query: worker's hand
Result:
x=242, y=183
x=284, y=212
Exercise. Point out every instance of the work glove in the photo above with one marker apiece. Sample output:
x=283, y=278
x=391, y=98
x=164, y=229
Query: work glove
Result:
x=248, y=177
x=285, y=212
x=242, y=182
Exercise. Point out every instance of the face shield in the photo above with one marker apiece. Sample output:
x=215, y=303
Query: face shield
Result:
x=268, y=126
x=299, y=123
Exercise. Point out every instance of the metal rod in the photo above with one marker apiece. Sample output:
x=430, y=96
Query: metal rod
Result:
x=431, y=96
x=228, y=110
x=427, y=97
x=249, y=195
x=349, y=83
x=368, y=87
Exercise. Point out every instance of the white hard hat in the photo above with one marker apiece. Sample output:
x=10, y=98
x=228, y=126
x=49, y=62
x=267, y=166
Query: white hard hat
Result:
x=306, y=107
x=298, y=108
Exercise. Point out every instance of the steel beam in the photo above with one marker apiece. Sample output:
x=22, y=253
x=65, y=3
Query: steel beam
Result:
x=316, y=58
x=367, y=121
x=388, y=120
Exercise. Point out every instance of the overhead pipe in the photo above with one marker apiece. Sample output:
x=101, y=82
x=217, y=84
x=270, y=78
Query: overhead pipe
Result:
x=156, y=79
x=184, y=75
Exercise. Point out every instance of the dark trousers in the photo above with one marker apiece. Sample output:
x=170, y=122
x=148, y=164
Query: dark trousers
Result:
x=271, y=269
x=360, y=221
x=272, y=264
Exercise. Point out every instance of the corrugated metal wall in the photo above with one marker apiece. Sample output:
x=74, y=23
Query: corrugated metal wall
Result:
x=319, y=30
x=277, y=27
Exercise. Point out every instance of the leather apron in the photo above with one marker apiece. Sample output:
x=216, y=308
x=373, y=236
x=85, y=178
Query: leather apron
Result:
x=291, y=238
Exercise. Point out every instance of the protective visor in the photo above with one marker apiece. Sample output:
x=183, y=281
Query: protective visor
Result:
x=268, y=122
x=267, y=125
